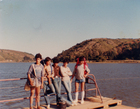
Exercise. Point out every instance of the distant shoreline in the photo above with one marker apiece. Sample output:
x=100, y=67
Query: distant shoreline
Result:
x=107, y=61
x=114, y=61
x=118, y=61
x=14, y=62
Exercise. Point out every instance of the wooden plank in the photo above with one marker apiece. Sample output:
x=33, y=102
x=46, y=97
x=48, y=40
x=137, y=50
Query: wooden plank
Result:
x=123, y=107
x=94, y=103
x=107, y=102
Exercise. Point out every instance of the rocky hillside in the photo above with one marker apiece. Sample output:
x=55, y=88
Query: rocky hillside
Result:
x=15, y=56
x=104, y=49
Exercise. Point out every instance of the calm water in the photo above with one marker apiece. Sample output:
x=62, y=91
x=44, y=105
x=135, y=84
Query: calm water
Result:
x=114, y=80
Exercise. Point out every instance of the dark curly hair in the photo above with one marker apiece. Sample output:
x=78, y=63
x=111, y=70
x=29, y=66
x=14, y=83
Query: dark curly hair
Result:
x=55, y=60
x=38, y=56
x=81, y=58
x=47, y=59
x=66, y=60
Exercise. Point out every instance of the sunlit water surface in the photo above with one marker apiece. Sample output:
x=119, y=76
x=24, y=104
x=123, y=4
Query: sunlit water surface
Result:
x=121, y=81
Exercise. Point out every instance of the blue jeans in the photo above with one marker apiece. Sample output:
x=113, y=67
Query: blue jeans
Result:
x=47, y=89
x=69, y=103
x=67, y=86
x=57, y=86
x=80, y=81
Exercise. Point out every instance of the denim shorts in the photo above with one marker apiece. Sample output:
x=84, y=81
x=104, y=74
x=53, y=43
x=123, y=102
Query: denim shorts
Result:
x=80, y=81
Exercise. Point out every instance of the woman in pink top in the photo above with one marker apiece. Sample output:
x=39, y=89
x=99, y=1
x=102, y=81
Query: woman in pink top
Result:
x=80, y=72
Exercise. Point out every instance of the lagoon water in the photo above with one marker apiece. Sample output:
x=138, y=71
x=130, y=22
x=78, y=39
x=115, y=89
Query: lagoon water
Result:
x=119, y=80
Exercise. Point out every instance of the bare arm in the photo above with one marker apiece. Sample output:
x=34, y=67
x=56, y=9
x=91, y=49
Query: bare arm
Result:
x=42, y=77
x=87, y=70
x=29, y=77
x=69, y=71
x=73, y=75
x=52, y=75
x=48, y=75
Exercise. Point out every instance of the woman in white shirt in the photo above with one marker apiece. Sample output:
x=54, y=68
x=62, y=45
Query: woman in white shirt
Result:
x=66, y=72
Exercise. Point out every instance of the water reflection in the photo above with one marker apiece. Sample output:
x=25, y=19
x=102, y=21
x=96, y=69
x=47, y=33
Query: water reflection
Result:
x=114, y=80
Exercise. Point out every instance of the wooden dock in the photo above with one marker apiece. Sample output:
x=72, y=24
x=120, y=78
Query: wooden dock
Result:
x=94, y=103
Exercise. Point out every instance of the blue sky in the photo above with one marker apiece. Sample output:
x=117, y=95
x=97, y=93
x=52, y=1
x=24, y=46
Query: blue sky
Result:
x=51, y=26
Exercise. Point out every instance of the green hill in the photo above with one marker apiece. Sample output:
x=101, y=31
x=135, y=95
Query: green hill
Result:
x=104, y=49
x=15, y=56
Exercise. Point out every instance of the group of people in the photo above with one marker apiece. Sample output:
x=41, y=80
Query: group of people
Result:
x=49, y=77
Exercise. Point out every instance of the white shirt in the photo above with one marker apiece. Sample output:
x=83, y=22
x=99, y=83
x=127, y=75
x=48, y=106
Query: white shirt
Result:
x=79, y=72
x=50, y=71
x=65, y=72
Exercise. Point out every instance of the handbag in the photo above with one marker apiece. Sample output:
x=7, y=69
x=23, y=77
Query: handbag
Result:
x=28, y=86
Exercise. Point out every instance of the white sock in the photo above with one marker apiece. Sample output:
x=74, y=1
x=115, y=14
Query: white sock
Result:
x=82, y=95
x=48, y=106
x=76, y=96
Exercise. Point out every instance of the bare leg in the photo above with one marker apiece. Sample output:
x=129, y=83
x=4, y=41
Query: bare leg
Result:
x=82, y=86
x=31, y=97
x=76, y=86
x=37, y=93
x=76, y=91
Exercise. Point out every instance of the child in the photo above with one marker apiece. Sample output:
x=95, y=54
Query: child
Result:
x=36, y=72
x=57, y=80
x=65, y=72
x=81, y=70
x=49, y=75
